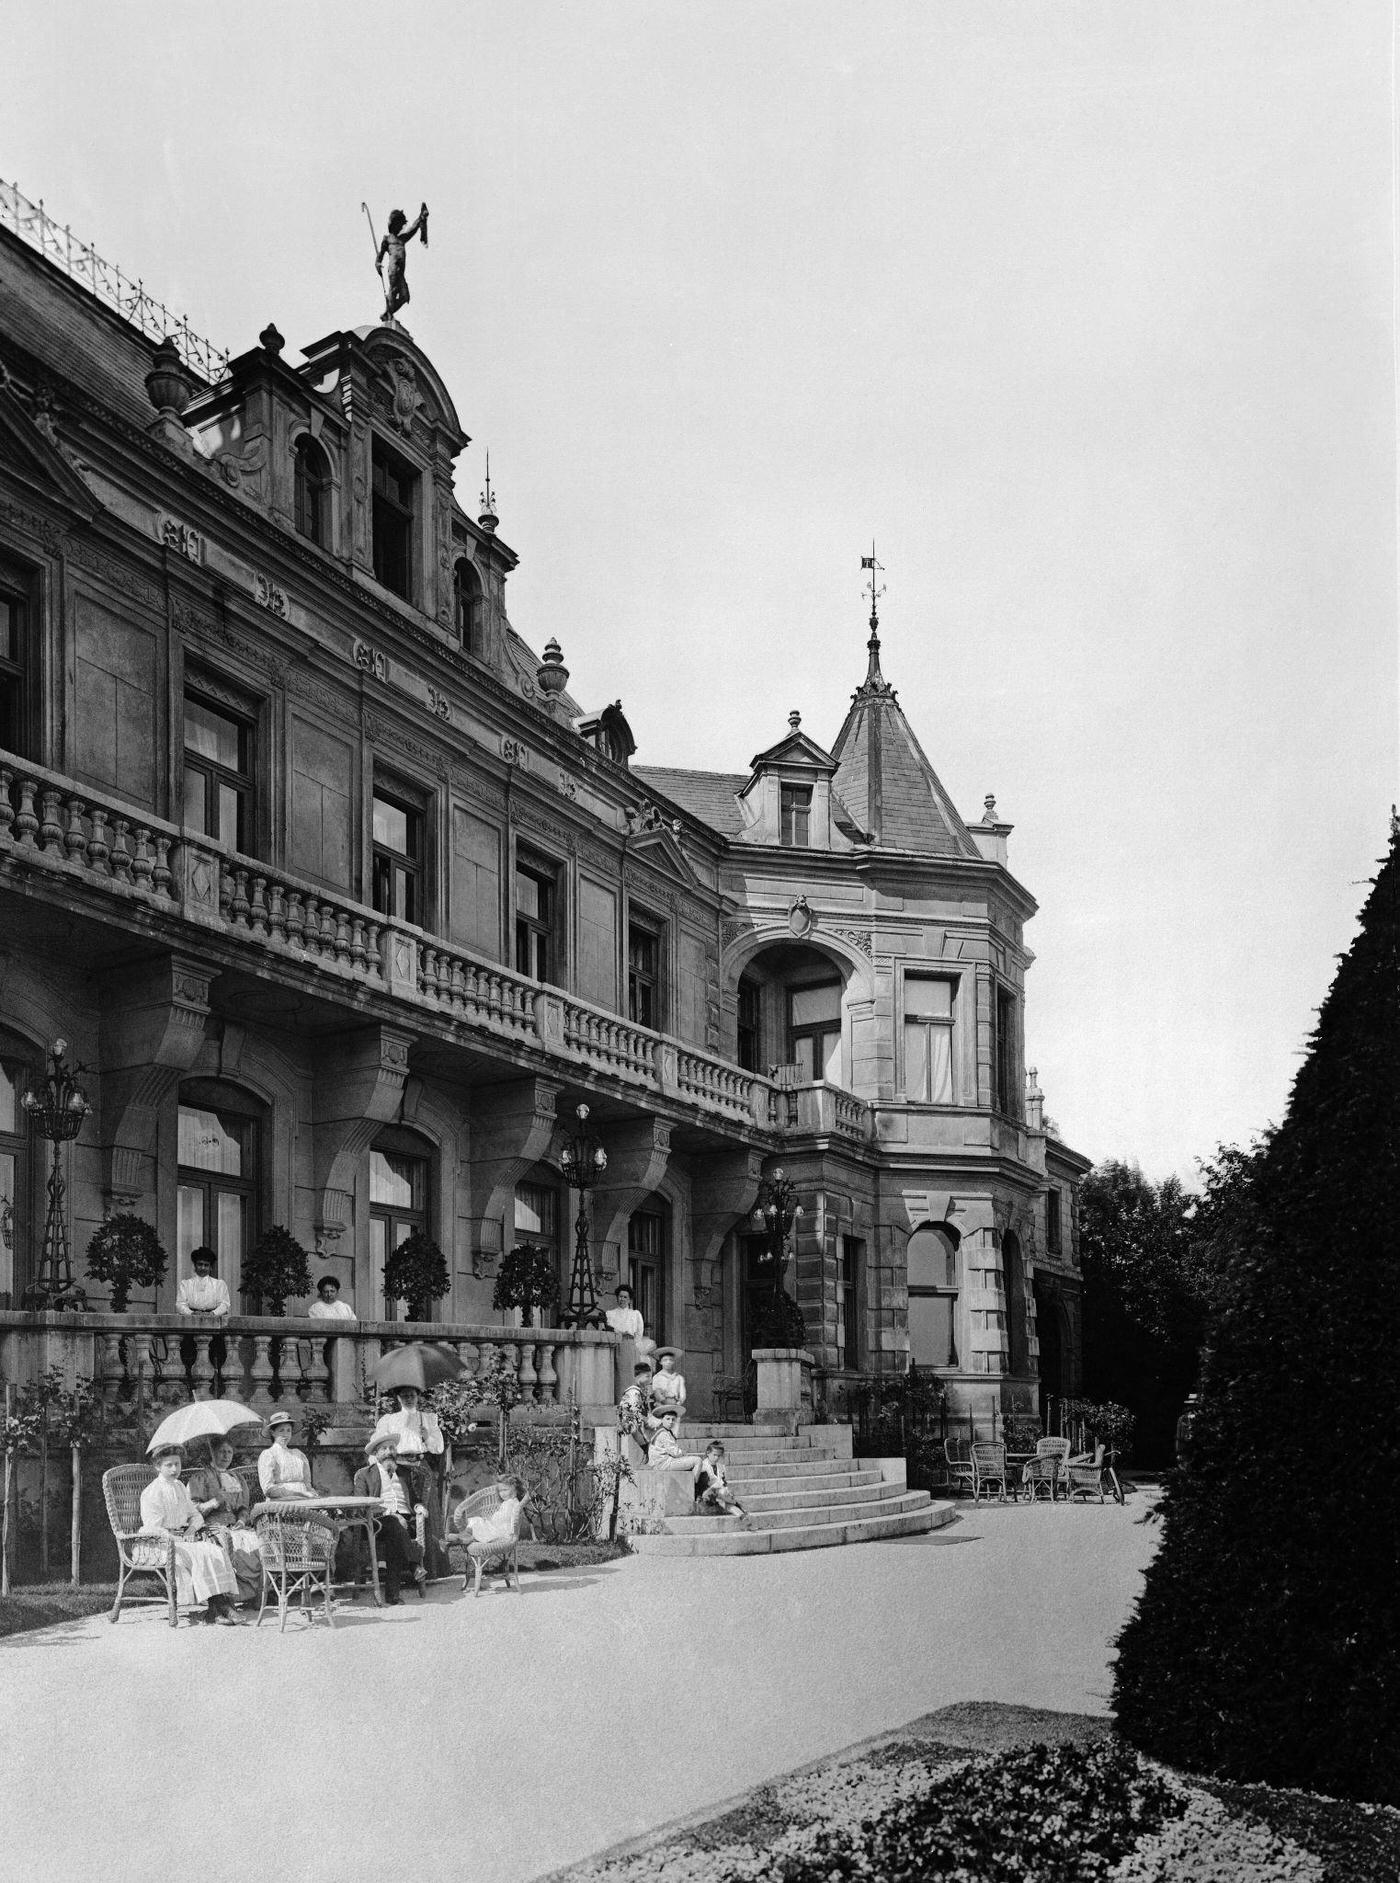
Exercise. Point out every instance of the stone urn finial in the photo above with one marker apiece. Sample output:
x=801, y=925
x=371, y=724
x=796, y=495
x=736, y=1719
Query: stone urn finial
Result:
x=271, y=340
x=169, y=384
x=552, y=674
x=795, y=721
x=989, y=808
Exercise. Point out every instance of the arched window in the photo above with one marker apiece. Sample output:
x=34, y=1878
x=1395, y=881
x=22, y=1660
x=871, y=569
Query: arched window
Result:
x=313, y=493
x=218, y=1178
x=932, y=1257
x=468, y=599
x=400, y=1187
x=647, y=1243
x=18, y=1074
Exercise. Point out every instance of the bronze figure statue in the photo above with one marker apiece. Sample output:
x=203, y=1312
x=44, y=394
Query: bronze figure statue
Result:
x=392, y=257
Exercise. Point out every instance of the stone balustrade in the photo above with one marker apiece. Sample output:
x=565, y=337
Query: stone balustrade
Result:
x=53, y=824
x=149, y=1361
x=822, y=1110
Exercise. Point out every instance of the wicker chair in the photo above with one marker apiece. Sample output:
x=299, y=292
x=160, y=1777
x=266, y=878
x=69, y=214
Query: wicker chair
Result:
x=297, y=1548
x=1084, y=1475
x=138, y=1555
x=501, y=1553
x=1046, y=1470
x=988, y=1468
x=958, y=1454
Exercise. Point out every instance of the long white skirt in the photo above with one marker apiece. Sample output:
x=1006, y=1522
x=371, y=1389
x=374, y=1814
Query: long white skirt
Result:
x=201, y=1570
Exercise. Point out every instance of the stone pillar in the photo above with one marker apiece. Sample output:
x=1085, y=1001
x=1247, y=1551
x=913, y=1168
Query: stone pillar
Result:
x=779, y=1386
x=359, y=1083
x=153, y=1024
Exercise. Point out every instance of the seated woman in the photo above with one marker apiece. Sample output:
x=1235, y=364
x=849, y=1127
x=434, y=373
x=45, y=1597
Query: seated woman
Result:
x=202, y=1572
x=712, y=1492
x=282, y=1470
x=221, y=1498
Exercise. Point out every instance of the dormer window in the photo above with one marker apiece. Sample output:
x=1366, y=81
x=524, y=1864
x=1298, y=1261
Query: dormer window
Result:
x=469, y=607
x=796, y=809
x=312, y=478
x=395, y=493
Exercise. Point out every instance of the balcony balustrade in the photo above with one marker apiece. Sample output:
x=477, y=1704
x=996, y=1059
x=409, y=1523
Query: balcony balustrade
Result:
x=821, y=1110
x=150, y=1363
x=50, y=826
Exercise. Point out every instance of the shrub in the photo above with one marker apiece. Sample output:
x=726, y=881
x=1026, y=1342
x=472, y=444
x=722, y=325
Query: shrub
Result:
x=1266, y=1642
x=416, y=1273
x=275, y=1270
x=527, y=1280
x=126, y=1253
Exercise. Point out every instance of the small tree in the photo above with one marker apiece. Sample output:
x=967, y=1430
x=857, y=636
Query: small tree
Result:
x=276, y=1269
x=126, y=1253
x=498, y=1385
x=75, y=1417
x=416, y=1273
x=528, y=1280
x=19, y=1433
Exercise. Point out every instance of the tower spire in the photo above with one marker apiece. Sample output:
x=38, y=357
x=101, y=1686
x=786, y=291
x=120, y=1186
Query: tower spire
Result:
x=875, y=589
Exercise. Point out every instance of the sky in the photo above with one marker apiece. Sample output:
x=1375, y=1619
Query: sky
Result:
x=1082, y=313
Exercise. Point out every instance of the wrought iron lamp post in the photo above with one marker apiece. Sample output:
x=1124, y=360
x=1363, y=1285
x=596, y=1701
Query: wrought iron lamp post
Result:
x=583, y=1160
x=774, y=1214
x=57, y=1112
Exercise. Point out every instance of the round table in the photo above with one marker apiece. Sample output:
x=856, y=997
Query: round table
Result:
x=347, y=1513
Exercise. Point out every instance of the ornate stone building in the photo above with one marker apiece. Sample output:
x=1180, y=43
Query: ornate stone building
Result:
x=345, y=902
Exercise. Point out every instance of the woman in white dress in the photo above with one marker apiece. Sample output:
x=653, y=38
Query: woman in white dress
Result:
x=221, y=1498
x=202, y=1571
x=283, y=1471
x=626, y=1320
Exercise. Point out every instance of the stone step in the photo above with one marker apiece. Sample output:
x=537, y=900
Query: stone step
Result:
x=783, y=1488
x=800, y=1518
x=812, y=1465
x=815, y=1536
x=859, y=1490
x=768, y=1455
x=755, y=1439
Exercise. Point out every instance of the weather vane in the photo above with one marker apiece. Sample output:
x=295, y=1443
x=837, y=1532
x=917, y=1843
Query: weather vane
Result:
x=877, y=569
x=391, y=256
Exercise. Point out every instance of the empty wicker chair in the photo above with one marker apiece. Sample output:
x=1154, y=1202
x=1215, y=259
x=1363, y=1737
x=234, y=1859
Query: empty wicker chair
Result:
x=989, y=1468
x=500, y=1552
x=297, y=1548
x=1043, y=1474
x=138, y=1555
x=958, y=1454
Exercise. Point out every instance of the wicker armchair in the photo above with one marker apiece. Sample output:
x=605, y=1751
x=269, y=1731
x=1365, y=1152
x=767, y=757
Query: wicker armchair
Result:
x=958, y=1454
x=1046, y=1470
x=500, y=1553
x=988, y=1468
x=1084, y=1475
x=138, y=1555
x=297, y=1548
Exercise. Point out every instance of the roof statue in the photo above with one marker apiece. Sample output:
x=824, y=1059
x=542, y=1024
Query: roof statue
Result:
x=391, y=256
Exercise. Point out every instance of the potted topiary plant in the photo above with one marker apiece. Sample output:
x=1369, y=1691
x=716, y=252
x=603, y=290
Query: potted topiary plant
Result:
x=528, y=1280
x=126, y=1253
x=274, y=1269
x=416, y=1273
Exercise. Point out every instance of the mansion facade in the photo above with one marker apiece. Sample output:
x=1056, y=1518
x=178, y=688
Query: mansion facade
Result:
x=344, y=901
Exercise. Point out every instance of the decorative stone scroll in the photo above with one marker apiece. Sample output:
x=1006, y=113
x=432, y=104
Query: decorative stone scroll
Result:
x=369, y=659
x=185, y=540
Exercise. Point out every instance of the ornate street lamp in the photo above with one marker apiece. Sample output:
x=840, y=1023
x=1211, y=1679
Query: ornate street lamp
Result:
x=774, y=1213
x=57, y=1112
x=583, y=1160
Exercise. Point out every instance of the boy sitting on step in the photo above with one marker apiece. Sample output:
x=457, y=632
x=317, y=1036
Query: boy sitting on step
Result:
x=712, y=1492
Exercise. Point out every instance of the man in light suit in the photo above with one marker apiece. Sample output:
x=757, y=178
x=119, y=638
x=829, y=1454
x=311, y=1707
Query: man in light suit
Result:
x=381, y=1478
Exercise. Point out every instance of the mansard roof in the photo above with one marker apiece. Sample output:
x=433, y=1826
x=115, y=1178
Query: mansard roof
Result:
x=883, y=779
x=713, y=797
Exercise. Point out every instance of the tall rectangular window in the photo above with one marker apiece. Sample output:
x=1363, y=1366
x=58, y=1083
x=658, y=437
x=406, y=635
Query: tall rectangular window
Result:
x=398, y=1198
x=536, y=907
x=397, y=888
x=814, y=1031
x=932, y=1255
x=395, y=486
x=848, y=1332
x=14, y=671
x=643, y=975
x=928, y=1039
x=750, y=1025
x=537, y=1219
x=216, y=1189
x=646, y=1268
x=1054, y=1239
x=1005, y=1097
x=219, y=774
x=796, y=809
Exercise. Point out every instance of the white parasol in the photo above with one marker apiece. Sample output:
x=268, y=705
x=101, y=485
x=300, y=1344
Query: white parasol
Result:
x=204, y=1418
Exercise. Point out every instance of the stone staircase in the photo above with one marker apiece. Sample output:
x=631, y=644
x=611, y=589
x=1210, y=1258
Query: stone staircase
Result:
x=802, y=1492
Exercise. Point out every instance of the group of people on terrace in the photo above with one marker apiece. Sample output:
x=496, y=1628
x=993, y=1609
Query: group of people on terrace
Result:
x=650, y=1414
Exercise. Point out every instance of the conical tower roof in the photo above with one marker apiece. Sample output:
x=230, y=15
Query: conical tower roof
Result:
x=882, y=777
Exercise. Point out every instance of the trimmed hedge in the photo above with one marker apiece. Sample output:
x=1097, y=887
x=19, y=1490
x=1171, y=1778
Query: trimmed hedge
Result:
x=1266, y=1643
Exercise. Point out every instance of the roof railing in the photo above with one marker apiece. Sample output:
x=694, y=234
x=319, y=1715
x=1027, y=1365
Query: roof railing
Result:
x=81, y=262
